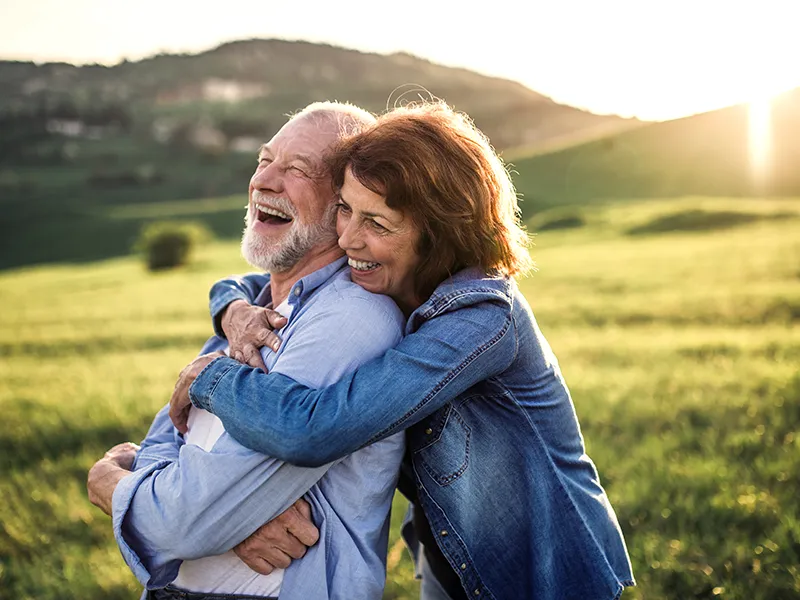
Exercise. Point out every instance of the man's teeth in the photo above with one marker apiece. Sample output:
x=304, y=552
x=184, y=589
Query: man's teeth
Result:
x=272, y=211
x=360, y=265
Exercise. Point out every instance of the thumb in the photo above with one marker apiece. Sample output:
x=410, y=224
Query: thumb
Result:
x=274, y=319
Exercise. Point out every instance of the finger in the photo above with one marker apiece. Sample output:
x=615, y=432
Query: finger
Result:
x=302, y=528
x=275, y=320
x=254, y=562
x=293, y=547
x=303, y=507
x=238, y=355
x=179, y=405
x=277, y=558
x=252, y=357
x=268, y=338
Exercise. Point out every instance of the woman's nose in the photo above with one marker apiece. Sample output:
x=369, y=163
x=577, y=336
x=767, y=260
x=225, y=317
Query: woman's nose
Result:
x=350, y=236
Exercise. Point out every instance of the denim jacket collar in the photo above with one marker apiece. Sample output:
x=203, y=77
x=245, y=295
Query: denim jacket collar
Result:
x=468, y=286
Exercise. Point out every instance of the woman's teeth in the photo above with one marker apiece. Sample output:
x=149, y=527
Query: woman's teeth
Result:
x=360, y=265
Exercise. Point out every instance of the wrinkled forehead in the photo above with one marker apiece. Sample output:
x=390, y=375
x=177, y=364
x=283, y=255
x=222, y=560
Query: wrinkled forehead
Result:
x=304, y=136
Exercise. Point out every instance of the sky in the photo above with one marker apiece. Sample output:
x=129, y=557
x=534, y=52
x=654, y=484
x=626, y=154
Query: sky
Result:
x=654, y=59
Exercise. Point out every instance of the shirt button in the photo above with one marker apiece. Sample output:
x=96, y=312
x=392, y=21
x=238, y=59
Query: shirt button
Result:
x=463, y=566
x=429, y=431
x=444, y=532
x=297, y=291
x=477, y=592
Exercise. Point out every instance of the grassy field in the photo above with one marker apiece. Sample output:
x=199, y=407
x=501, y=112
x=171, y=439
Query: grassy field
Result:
x=681, y=348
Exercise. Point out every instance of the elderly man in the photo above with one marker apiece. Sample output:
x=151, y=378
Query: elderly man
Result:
x=181, y=505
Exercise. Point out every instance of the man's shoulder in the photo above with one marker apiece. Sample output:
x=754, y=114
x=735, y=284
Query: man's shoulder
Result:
x=340, y=296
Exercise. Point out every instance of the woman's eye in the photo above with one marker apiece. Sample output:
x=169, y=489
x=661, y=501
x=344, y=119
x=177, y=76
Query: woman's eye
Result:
x=377, y=226
x=342, y=207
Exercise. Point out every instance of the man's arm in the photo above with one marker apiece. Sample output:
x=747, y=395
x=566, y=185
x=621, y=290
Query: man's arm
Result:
x=205, y=503
x=430, y=367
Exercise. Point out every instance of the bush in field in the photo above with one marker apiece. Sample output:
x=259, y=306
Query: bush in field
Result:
x=167, y=244
x=557, y=219
x=700, y=220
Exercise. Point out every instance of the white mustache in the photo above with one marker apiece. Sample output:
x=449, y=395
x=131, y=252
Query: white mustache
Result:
x=281, y=204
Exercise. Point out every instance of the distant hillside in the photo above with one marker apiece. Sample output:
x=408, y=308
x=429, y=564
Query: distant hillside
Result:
x=245, y=88
x=705, y=154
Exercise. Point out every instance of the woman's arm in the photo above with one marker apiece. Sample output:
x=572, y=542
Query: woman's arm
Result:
x=277, y=416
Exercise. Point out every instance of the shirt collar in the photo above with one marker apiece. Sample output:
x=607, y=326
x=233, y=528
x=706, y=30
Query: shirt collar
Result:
x=303, y=287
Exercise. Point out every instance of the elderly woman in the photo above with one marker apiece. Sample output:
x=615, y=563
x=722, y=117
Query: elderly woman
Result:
x=506, y=502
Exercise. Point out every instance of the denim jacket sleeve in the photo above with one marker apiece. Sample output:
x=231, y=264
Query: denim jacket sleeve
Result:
x=445, y=356
x=225, y=291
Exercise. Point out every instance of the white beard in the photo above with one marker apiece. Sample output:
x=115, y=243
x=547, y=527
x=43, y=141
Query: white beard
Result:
x=278, y=256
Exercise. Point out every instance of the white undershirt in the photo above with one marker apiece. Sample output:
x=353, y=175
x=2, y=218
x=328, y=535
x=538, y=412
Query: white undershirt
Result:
x=226, y=573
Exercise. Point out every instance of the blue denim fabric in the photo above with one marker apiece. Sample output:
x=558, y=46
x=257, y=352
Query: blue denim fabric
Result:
x=497, y=454
x=184, y=503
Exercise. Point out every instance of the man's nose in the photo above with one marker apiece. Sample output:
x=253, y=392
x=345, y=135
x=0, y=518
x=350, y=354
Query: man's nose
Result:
x=268, y=179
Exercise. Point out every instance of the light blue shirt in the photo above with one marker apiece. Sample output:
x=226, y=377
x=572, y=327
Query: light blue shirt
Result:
x=182, y=502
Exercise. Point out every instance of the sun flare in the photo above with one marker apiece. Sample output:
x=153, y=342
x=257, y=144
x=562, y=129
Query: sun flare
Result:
x=760, y=139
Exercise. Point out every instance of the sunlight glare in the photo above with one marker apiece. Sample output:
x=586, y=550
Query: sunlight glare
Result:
x=760, y=139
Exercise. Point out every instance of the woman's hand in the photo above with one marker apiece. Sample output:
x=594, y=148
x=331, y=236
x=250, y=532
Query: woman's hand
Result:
x=180, y=404
x=248, y=328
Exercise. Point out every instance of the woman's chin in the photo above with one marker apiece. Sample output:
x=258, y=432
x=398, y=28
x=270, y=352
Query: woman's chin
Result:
x=369, y=280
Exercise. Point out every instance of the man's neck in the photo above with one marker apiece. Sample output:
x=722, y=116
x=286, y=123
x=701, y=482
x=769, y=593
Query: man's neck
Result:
x=281, y=283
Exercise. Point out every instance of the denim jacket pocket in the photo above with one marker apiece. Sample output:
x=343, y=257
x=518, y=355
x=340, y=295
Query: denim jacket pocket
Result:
x=442, y=446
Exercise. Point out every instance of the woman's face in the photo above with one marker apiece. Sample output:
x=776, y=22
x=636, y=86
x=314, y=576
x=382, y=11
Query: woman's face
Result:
x=380, y=242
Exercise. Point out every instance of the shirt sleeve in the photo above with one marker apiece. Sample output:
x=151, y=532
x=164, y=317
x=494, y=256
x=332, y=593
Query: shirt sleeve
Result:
x=202, y=503
x=447, y=355
x=161, y=442
x=225, y=291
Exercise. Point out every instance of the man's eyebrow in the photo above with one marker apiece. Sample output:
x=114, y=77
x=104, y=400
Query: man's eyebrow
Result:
x=264, y=148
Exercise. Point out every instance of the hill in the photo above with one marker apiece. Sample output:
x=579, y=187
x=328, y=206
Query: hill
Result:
x=705, y=154
x=245, y=88
x=78, y=141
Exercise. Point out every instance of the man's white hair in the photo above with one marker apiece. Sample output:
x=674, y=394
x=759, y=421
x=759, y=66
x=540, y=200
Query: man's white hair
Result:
x=342, y=117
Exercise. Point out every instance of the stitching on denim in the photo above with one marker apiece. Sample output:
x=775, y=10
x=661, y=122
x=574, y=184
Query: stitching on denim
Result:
x=448, y=479
x=214, y=382
x=450, y=376
x=442, y=302
x=472, y=573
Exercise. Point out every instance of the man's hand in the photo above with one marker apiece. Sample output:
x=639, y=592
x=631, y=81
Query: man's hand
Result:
x=248, y=328
x=180, y=403
x=107, y=472
x=275, y=544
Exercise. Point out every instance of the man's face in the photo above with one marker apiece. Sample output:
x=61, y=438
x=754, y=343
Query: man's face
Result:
x=291, y=207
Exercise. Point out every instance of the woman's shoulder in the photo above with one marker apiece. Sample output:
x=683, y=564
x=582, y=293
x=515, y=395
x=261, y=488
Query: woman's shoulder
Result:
x=470, y=288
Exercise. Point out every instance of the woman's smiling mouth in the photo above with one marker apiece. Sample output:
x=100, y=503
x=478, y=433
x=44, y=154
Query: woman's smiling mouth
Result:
x=362, y=265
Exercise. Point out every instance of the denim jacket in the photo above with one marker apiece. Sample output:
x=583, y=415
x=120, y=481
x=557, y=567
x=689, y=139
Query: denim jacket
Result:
x=495, y=448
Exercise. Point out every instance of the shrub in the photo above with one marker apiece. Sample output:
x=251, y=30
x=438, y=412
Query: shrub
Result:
x=167, y=244
x=556, y=219
x=697, y=220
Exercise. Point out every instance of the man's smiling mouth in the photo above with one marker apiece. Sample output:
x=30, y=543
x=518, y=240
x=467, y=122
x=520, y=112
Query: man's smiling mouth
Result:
x=267, y=214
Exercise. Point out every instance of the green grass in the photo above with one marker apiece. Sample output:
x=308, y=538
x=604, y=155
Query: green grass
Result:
x=681, y=350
